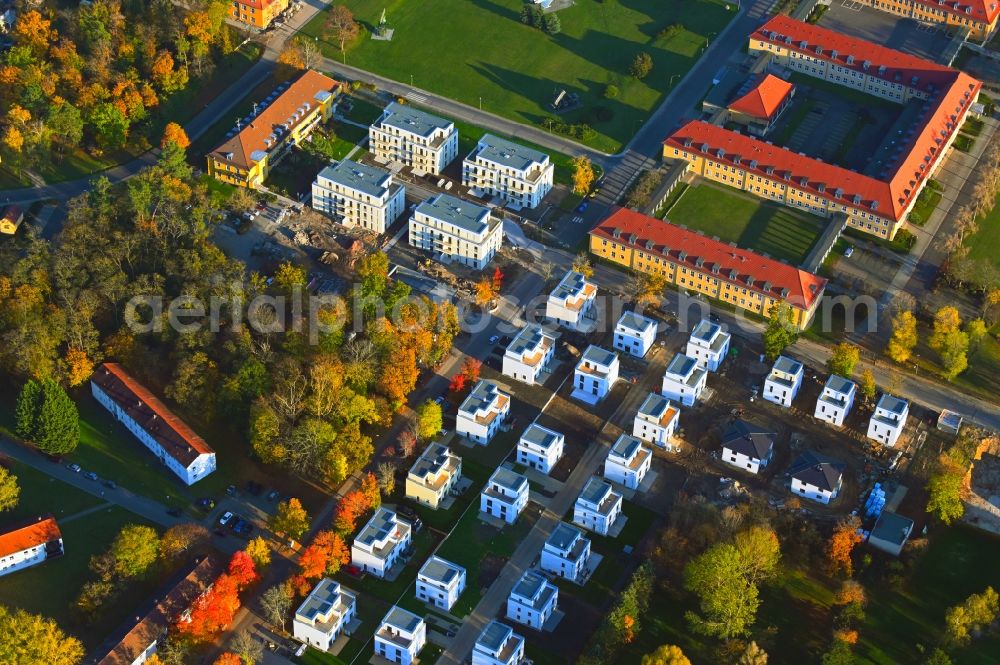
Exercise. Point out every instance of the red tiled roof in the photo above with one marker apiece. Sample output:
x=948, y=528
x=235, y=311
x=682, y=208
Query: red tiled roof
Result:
x=764, y=100
x=668, y=240
x=258, y=4
x=177, y=439
x=980, y=10
x=43, y=530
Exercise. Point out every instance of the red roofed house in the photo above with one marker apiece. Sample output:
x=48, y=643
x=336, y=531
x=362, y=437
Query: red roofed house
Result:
x=876, y=205
x=979, y=16
x=257, y=13
x=167, y=436
x=29, y=544
x=761, y=106
x=716, y=269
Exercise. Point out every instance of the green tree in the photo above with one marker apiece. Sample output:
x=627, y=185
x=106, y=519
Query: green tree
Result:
x=135, y=549
x=752, y=655
x=946, y=321
x=30, y=639
x=780, y=332
x=429, y=420
x=551, y=24
x=277, y=603
x=976, y=331
x=975, y=612
x=290, y=519
x=642, y=65
x=868, y=387
x=611, y=91
x=667, y=654
x=839, y=654
x=110, y=125
x=945, y=491
x=904, y=337
x=10, y=491
x=760, y=553
x=843, y=359
x=46, y=416
x=727, y=599
x=954, y=350
x=29, y=402
x=938, y=657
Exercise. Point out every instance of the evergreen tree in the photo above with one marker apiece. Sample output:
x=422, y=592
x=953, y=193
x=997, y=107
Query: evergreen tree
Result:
x=47, y=417
x=26, y=411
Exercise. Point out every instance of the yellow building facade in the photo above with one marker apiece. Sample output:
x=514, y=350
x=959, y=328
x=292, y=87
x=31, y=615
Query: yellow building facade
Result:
x=978, y=16
x=257, y=13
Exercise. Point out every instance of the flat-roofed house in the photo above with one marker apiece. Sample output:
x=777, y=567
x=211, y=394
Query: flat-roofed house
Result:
x=455, y=230
x=595, y=374
x=155, y=426
x=482, y=412
x=890, y=533
x=505, y=495
x=532, y=600
x=598, y=506
x=498, y=644
x=359, y=195
x=836, y=400
x=324, y=614
x=440, y=582
x=628, y=462
x=572, y=303
x=888, y=420
x=566, y=553
x=783, y=383
x=634, y=334
x=424, y=142
x=656, y=421
x=540, y=448
x=747, y=447
x=29, y=543
x=519, y=175
x=381, y=542
x=683, y=380
x=433, y=475
x=528, y=354
x=400, y=636
x=708, y=345
x=816, y=478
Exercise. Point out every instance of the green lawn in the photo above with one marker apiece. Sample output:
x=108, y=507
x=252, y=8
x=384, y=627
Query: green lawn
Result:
x=776, y=230
x=985, y=243
x=41, y=494
x=516, y=69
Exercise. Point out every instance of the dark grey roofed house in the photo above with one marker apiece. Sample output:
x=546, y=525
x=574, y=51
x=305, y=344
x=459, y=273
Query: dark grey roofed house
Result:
x=747, y=439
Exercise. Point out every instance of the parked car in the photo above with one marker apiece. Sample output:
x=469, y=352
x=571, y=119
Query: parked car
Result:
x=110, y=484
x=75, y=468
x=494, y=339
x=205, y=504
x=849, y=251
x=583, y=206
x=231, y=490
x=90, y=475
x=226, y=518
x=272, y=496
x=439, y=400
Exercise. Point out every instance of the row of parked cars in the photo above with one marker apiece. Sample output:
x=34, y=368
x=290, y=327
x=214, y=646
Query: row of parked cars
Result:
x=112, y=485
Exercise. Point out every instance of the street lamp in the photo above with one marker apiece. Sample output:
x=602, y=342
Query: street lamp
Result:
x=671, y=83
x=480, y=103
x=411, y=80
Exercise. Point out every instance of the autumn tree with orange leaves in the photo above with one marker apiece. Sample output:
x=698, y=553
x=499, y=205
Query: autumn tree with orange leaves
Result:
x=174, y=133
x=228, y=658
x=349, y=509
x=213, y=611
x=324, y=556
x=840, y=547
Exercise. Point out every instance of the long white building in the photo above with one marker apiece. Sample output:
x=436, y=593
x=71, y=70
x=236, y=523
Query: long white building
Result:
x=30, y=544
x=358, y=195
x=528, y=354
x=457, y=231
x=168, y=437
x=519, y=175
x=324, y=615
x=422, y=141
x=381, y=543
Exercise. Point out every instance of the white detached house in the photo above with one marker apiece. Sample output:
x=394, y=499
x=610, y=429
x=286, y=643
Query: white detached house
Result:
x=498, y=645
x=836, y=400
x=635, y=334
x=816, y=478
x=627, y=462
x=401, y=636
x=889, y=419
x=598, y=506
x=381, y=543
x=595, y=374
x=566, y=553
x=324, y=615
x=708, y=345
x=540, y=448
x=505, y=495
x=747, y=446
x=528, y=354
x=683, y=380
x=784, y=381
x=532, y=600
x=572, y=303
x=483, y=411
x=656, y=421
x=440, y=582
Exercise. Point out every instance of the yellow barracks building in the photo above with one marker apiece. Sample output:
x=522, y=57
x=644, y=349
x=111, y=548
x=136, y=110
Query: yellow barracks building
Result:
x=979, y=16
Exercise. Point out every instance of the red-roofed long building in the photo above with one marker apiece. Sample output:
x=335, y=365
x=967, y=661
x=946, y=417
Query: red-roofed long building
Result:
x=979, y=16
x=876, y=205
x=167, y=436
x=29, y=544
x=713, y=268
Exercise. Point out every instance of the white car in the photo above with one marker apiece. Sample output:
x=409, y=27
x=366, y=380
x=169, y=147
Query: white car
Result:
x=848, y=252
x=226, y=518
x=494, y=339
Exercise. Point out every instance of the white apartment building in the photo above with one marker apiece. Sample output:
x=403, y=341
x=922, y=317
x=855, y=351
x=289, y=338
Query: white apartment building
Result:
x=324, y=615
x=424, y=142
x=595, y=374
x=708, y=345
x=889, y=419
x=454, y=230
x=433, y=475
x=628, y=462
x=483, y=411
x=498, y=645
x=634, y=334
x=168, y=437
x=540, y=448
x=747, y=446
x=816, y=478
x=30, y=544
x=517, y=174
x=683, y=380
x=598, y=506
x=358, y=195
x=572, y=303
x=505, y=495
x=836, y=400
x=532, y=600
x=566, y=553
x=656, y=421
x=784, y=381
x=440, y=582
x=528, y=354
x=401, y=636
x=381, y=543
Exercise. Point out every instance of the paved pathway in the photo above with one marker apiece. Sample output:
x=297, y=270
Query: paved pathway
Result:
x=84, y=513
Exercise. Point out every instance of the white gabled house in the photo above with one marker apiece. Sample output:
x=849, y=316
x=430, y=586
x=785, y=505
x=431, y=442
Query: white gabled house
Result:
x=401, y=636
x=440, y=582
x=381, y=542
x=708, y=345
x=433, y=475
x=784, y=381
x=816, y=478
x=540, y=448
x=532, y=600
x=566, y=553
x=324, y=615
x=572, y=303
x=595, y=374
x=598, y=507
x=498, y=644
x=683, y=380
x=635, y=334
x=627, y=462
x=30, y=544
x=888, y=420
x=528, y=354
x=836, y=400
x=656, y=421
x=519, y=175
x=505, y=495
x=482, y=412
x=747, y=446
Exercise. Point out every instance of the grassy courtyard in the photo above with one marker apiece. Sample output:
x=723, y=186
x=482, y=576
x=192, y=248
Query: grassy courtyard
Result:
x=776, y=230
x=471, y=50
x=41, y=494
